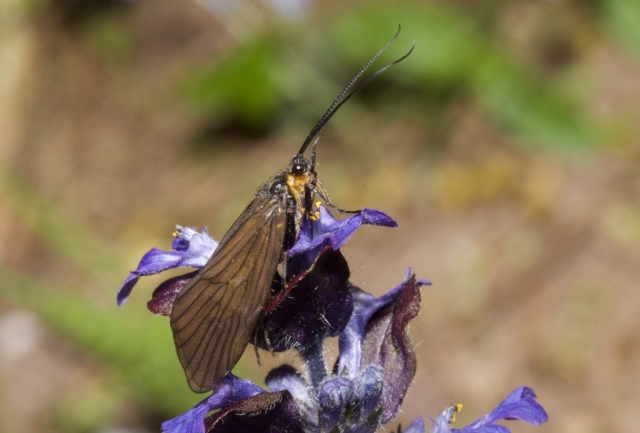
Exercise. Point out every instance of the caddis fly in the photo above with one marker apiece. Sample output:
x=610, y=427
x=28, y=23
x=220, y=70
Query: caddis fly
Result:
x=216, y=315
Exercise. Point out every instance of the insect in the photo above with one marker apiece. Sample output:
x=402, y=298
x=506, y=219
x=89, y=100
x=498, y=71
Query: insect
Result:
x=216, y=314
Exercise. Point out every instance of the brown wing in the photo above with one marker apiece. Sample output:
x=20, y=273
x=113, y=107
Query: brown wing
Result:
x=215, y=315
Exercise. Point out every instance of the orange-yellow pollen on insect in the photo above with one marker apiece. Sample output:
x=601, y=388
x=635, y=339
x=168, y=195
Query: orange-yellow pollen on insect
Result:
x=297, y=185
x=315, y=214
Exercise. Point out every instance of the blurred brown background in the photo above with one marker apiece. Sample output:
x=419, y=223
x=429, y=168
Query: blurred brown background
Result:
x=505, y=146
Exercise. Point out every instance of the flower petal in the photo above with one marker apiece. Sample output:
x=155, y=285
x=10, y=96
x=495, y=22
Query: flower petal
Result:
x=269, y=412
x=387, y=344
x=368, y=388
x=165, y=294
x=334, y=396
x=232, y=389
x=317, y=302
x=365, y=306
x=440, y=425
x=318, y=306
x=521, y=404
x=285, y=377
x=417, y=426
x=190, y=249
x=199, y=250
x=328, y=231
x=153, y=262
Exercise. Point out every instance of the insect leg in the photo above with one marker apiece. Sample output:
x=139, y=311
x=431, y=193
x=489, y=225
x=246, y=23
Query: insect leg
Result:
x=318, y=188
x=255, y=344
x=266, y=338
x=268, y=341
x=291, y=284
x=284, y=271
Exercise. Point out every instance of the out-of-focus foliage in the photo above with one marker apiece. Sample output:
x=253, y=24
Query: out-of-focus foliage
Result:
x=242, y=86
x=454, y=52
x=143, y=357
x=623, y=20
x=70, y=241
x=110, y=37
x=141, y=354
x=453, y=56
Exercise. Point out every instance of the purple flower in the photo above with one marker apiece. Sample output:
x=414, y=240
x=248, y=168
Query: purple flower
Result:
x=243, y=406
x=520, y=405
x=193, y=249
x=328, y=231
x=386, y=344
x=319, y=303
x=230, y=390
x=359, y=399
x=417, y=426
x=315, y=303
x=376, y=363
x=376, y=335
x=269, y=412
x=318, y=306
x=189, y=249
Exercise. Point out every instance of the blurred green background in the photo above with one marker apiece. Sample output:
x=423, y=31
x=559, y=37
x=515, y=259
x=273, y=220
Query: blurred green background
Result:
x=505, y=146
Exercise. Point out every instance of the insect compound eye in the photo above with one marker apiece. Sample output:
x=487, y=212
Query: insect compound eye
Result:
x=299, y=167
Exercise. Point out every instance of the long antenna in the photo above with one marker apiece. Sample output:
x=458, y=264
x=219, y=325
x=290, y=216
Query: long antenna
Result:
x=338, y=101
